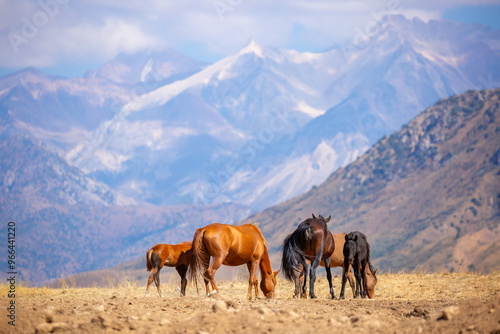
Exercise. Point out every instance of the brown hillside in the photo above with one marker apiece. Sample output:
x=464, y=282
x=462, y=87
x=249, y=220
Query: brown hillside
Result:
x=428, y=195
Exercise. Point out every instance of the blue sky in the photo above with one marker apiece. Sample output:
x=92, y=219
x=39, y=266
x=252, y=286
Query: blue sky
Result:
x=67, y=37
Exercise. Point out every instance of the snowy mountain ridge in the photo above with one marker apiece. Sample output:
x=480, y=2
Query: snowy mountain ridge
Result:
x=264, y=124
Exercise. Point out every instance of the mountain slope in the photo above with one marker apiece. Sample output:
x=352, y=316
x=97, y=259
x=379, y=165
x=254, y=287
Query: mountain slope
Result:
x=62, y=112
x=151, y=67
x=427, y=195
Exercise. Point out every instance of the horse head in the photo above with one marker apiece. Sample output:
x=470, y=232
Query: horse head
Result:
x=268, y=284
x=371, y=281
x=322, y=218
x=350, y=247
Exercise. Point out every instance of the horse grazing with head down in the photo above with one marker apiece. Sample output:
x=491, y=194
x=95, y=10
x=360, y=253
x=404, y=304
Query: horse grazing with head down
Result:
x=232, y=246
x=310, y=242
x=178, y=256
x=337, y=260
x=357, y=254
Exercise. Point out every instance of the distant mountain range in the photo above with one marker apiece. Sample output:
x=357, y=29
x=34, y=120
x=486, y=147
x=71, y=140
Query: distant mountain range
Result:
x=263, y=125
x=94, y=166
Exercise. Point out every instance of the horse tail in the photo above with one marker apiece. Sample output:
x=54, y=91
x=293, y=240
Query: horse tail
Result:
x=293, y=254
x=149, y=263
x=199, y=256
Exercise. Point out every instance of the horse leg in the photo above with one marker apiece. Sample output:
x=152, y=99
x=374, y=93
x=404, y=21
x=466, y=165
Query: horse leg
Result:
x=329, y=277
x=206, y=279
x=216, y=263
x=252, y=281
x=298, y=277
x=357, y=274
x=344, y=279
x=352, y=283
x=182, y=270
x=304, y=284
x=314, y=266
x=150, y=280
x=363, y=279
x=157, y=282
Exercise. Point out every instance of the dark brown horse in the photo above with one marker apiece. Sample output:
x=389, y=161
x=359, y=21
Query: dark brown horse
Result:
x=178, y=256
x=232, y=246
x=310, y=242
x=337, y=260
x=357, y=254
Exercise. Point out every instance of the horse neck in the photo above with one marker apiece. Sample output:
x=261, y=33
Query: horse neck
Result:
x=265, y=266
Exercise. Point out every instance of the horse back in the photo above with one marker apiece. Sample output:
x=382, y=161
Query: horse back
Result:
x=248, y=240
x=171, y=255
x=237, y=244
x=320, y=238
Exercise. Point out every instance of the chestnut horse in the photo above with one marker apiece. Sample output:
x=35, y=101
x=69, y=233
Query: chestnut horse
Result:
x=357, y=254
x=337, y=260
x=232, y=246
x=311, y=241
x=178, y=256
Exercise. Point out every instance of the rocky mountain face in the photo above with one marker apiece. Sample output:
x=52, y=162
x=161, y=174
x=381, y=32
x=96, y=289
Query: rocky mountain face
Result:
x=427, y=196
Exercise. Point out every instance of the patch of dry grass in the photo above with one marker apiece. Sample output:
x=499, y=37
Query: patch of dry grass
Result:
x=438, y=286
x=406, y=286
x=399, y=286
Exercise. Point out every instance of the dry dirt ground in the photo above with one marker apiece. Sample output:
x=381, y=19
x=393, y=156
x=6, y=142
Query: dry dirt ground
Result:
x=404, y=303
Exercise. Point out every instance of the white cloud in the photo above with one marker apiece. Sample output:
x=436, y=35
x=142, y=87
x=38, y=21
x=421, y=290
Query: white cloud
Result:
x=106, y=40
x=94, y=31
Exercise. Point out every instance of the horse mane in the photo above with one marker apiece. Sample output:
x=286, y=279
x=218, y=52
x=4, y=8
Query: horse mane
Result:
x=256, y=226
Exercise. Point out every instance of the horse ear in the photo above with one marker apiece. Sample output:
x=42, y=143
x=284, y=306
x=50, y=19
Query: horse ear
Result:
x=328, y=219
x=374, y=272
x=346, y=237
x=355, y=237
x=276, y=273
x=314, y=216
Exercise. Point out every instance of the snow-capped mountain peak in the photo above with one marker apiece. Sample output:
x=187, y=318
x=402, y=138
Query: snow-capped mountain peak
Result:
x=264, y=124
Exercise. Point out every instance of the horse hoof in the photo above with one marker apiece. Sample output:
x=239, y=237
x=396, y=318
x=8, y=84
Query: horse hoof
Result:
x=313, y=297
x=341, y=297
